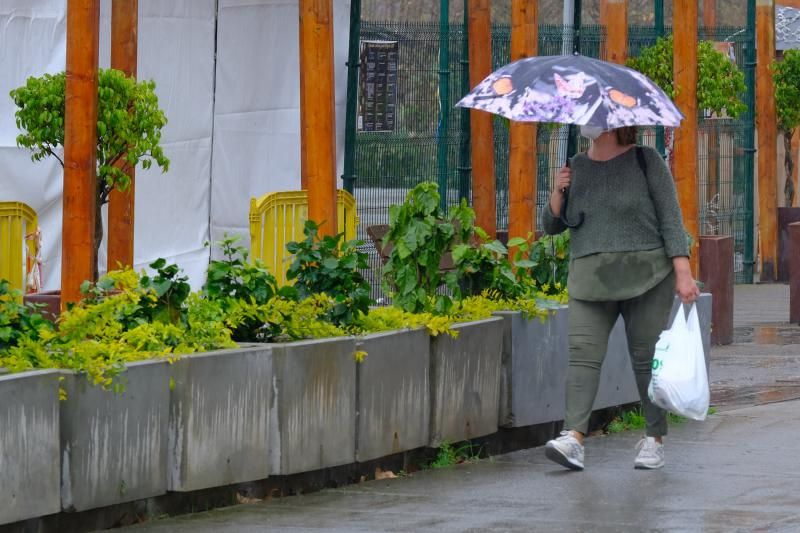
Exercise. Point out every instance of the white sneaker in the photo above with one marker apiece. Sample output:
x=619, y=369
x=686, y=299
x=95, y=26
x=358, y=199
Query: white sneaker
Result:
x=566, y=451
x=651, y=454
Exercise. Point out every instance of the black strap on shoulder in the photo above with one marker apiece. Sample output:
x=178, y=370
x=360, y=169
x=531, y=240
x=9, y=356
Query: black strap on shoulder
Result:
x=641, y=159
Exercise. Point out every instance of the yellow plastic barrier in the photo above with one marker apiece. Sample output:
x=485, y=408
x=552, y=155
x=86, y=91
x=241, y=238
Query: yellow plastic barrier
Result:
x=18, y=243
x=278, y=218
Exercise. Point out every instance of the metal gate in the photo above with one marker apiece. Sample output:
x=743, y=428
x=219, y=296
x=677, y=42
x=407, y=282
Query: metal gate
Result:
x=430, y=139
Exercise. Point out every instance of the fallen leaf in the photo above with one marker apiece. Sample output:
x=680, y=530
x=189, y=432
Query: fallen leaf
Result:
x=381, y=474
x=245, y=499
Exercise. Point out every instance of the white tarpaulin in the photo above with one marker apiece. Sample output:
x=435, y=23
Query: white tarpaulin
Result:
x=233, y=127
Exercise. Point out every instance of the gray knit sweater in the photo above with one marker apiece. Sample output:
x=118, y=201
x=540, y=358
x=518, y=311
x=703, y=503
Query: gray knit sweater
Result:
x=624, y=210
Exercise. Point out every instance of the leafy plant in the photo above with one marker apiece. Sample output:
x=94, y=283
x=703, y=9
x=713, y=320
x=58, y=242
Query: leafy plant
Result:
x=98, y=336
x=330, y=265
x=421, y=234
x=485, y=267
x=281, y=319
x=129, y=124
x=17, y=320
x=548, y=263
x=786, y=76
x=720, y=83
x=447, y=455
x=241, y=287
x=170, y=291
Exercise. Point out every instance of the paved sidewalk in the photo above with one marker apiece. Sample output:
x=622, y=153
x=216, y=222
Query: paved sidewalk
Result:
x=737, y=471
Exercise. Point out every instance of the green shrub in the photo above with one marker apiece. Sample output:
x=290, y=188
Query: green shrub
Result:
x=17, y=320
x=421, y=234
x=330, y=265
x=120, y=323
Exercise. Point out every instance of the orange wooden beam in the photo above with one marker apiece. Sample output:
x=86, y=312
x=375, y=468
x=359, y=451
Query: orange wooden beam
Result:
x=124, y=48
x=522, y=136
x=616, y=18
x=766, y=121
x=709, y=13
x=317, y=113
x=685, y=70
x=484, y=196
x=78, y=259
x=789, y=3
x=603, y=13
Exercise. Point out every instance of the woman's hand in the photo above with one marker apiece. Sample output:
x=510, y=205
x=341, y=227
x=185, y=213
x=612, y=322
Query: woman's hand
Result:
x=685, y=286
x=563, y=181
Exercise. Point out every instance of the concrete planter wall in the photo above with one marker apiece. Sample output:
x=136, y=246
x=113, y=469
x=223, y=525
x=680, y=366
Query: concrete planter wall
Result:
x=393, y=398
x=465, y=381
x=29, y=454
x=313, y=413
x=535, y=357
x=114, y=446
x=219, y=418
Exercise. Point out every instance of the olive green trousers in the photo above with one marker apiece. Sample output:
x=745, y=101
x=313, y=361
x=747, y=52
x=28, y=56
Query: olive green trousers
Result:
x=590, y=325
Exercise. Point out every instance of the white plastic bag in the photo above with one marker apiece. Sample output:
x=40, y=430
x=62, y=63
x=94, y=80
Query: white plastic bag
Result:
x=680, y=382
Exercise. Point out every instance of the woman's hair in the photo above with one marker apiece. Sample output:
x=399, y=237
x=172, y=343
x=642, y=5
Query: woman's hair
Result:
x=627, y=135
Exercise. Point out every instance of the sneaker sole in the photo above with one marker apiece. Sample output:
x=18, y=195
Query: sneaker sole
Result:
x=557, y=457
x=639, y=466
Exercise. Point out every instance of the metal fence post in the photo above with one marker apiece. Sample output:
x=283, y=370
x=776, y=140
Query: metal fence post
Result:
x=349, y=176
x=659, y=26
x=444, y=98
x=464, y=156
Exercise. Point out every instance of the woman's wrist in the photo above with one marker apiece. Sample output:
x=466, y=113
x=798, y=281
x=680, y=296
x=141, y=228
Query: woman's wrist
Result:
x=682, y=267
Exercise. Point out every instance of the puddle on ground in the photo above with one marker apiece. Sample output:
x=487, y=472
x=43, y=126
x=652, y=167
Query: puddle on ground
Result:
x=755, y=395
x=777, y=334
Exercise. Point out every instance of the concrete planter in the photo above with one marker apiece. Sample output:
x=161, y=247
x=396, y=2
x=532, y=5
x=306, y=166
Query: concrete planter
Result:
x=465, y=381
x=313, y=413
x=393, y=398
x=114, y=446
x=219, y=418
x=29, y=451
x=535, y=357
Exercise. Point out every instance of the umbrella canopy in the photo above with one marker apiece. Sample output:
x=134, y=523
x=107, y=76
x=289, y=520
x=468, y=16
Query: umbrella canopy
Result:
x=573, y=90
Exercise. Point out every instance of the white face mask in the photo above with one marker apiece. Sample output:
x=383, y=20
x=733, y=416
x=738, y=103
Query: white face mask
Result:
x=592, y=132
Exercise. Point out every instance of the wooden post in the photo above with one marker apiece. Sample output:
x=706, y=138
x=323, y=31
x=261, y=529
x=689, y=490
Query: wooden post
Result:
x=317, y=113
x=124, y=46
x=766, y=125
x=522, y=137
x=709, y=13
x=795, y=170
x=685, y=69
x=616, y=17
x=484, y=196
x=78, y=259
x=794, y=273
x=603, y=13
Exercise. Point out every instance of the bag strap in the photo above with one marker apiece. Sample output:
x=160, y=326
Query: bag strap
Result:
x=641, y=159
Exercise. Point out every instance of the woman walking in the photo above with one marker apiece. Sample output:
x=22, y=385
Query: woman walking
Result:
x=629, y=256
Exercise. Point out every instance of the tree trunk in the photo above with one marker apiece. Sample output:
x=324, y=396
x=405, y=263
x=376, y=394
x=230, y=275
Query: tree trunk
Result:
x=788, y=165
x=98, y=224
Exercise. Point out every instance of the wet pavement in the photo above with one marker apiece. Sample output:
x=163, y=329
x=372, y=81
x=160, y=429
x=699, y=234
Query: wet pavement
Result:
x=736, y=471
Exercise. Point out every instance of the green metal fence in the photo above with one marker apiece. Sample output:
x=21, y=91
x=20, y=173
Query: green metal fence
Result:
x=423, y=148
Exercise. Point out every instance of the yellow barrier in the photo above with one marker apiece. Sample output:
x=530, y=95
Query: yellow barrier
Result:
x=278, y=218
x=18, y=243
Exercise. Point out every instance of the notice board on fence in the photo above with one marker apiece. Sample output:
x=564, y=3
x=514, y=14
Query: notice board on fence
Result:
x=377, y=86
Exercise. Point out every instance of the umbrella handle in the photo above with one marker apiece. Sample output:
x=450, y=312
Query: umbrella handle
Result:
x=563, y=215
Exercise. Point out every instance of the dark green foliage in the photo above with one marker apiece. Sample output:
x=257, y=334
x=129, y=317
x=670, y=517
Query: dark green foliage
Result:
x=485, y=266
x=421, y=234
x=549, y=263
x=331, y=265
x=18, y=320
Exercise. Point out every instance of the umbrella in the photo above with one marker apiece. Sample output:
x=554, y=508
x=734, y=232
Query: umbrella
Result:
x=575, y=90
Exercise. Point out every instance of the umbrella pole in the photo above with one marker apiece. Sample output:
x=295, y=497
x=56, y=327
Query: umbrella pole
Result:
x=572, y=16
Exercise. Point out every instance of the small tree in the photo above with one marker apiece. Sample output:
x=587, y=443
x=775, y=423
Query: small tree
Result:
x=720, y=83
x=786, y=74
x=129, y=124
